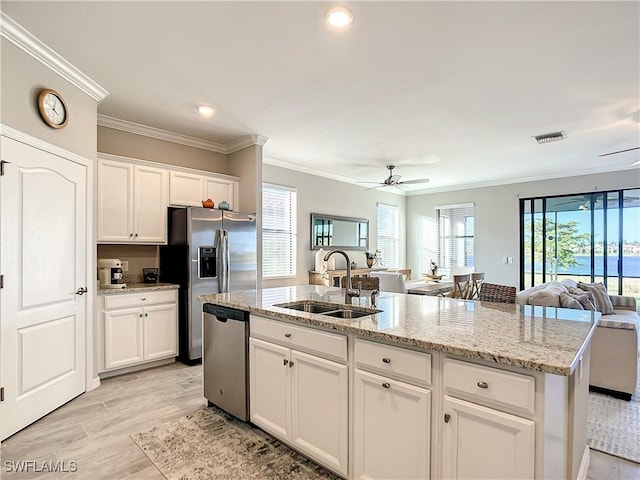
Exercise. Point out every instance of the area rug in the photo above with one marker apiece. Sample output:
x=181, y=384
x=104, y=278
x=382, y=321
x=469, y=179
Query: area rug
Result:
x=614, y=425
x=209, y=444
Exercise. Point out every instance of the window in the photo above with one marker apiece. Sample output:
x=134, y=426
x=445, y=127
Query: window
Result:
x=278, y=231
x=591, y=237
x=388, y=235
x=455, y=235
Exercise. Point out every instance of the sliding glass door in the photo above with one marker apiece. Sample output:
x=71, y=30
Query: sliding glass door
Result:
x=592, y=237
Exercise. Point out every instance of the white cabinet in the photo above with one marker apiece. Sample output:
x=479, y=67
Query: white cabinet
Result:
x=189, y=189
x=481, y=436
x=391, y=428
x=138, y=327
x=480, y=442
x=392, y=412
x=132, y=203
x=299, y=396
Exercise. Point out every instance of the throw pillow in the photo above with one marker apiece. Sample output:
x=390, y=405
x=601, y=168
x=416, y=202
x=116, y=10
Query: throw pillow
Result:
x=603, y=302
x=568, y=301
x=547, y=297
x=586, y=300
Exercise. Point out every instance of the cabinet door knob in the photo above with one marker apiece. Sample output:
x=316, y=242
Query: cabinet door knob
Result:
x=131, y=234
x=291, y=364
x=140, y=315
x=288, y=335
x=285, y=362
x=447, y=417
x=136, y=235
x=146, y=314
x=483, y=384
x=81, y=291
x=386, y=385
x=143, y=299
x=386, y=360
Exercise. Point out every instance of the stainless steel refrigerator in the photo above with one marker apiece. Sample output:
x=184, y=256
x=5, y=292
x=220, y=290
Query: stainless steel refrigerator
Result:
x=209, y=251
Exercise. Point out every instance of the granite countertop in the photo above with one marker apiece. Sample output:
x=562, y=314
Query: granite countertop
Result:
x=545, y=339
x=138, y=287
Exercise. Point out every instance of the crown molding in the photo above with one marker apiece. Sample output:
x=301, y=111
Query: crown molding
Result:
x=247, y=141
x=159, y=134
x=21, y=38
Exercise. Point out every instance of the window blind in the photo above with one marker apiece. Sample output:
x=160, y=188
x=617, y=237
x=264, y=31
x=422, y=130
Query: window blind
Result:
x=279, y=231
x=388, y=235
x=455, y=235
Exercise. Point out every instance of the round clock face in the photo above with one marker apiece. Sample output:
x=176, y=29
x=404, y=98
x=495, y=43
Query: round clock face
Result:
x=52, y=109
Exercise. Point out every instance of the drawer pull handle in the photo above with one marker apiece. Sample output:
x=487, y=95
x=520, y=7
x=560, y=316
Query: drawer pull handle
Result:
x=386, y=360
x=143, y=298
x=386, y=385
x=447, y=417
x=483, y=384
x=285, y=362
x=288, y=335
x=291, y=364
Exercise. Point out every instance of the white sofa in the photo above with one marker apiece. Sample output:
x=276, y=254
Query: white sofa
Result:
x=614, y=347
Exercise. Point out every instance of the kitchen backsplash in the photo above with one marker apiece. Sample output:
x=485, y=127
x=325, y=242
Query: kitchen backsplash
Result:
x=138, y=256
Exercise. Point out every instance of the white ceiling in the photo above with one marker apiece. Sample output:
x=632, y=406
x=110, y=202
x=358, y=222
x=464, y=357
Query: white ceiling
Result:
x=452, y=91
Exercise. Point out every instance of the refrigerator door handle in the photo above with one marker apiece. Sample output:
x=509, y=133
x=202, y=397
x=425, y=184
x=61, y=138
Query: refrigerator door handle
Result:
x=222, y=247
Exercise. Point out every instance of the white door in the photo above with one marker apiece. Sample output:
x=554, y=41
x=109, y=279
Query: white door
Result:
x=43, y=199
x=270, y=387
x=150, y=205
x=123, y=331
x=391, y=428
x=115, y=201
x=160, y=331
x=319, y=409
x=483, y=443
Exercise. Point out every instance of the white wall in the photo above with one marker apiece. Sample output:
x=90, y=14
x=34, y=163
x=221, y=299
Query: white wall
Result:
x=497, y=219
x=322, y=195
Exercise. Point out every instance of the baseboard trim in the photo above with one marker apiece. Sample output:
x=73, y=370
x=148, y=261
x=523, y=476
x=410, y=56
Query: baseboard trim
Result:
x=584, y=464
x=95, y=383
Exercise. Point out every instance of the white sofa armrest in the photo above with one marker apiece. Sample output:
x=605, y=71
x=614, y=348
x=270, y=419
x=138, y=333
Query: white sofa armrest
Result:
x=622, y=302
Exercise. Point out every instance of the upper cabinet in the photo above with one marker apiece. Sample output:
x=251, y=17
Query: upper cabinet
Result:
x=132, y=203
x=191, y=189
x=133, y=196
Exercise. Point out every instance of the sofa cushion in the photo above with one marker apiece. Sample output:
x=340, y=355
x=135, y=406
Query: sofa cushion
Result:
x=568, y=301
x=625, y=319
x=586, y=300
x=548, y=296
x=599, y=291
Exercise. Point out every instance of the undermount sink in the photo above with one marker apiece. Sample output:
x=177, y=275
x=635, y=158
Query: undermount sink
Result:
x=330, y=309
x=348, y=313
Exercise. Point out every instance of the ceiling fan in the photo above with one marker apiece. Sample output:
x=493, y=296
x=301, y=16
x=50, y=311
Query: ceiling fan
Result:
x=394, y=180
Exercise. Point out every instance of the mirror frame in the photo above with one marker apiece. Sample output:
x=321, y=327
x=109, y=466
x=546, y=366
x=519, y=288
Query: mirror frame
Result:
x=315, y=216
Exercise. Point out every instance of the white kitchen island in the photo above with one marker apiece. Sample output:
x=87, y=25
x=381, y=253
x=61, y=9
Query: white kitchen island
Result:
x=425, y=388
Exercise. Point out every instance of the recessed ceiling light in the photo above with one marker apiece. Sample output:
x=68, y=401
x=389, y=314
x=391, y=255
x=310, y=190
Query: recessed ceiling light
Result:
x=206, y=111
x=339, y=17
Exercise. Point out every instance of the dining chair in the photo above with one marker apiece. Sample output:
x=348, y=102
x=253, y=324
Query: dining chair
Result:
x=390, y=281
x=491, y=292
x=476, y=283
x=461, y=285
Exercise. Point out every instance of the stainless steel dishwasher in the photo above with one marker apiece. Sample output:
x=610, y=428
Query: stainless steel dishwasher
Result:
x=226, y=359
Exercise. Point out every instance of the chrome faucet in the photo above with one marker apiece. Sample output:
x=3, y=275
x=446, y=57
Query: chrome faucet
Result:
x=349, y=291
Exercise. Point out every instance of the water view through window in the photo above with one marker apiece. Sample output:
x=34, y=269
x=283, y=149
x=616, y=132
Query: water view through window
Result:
x=592, y=237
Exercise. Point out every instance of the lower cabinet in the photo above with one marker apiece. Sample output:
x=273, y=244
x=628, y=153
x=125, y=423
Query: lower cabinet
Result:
x=138, y=328
x=480, y=442
x=391, y=428
x=302, y=399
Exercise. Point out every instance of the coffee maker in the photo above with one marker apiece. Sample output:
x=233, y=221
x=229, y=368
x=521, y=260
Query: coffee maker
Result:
x=110, y=273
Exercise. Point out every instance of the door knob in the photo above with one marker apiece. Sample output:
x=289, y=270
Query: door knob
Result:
x=81, y=291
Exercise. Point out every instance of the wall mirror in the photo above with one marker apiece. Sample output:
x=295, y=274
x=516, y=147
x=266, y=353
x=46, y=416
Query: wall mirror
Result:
x=331, y=231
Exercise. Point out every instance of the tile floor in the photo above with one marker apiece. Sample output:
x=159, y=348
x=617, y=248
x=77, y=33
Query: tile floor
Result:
x=93, y=429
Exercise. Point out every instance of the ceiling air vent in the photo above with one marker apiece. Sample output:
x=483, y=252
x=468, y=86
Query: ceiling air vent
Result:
x=550, y=137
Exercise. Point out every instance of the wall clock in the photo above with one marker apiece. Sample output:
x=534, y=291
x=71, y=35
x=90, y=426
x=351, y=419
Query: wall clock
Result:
x=52, y=108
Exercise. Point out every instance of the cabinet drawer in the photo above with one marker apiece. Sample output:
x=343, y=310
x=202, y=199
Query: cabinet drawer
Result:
x=409, y=365
x=489, y=385
x=324, y=344
x=139, y=299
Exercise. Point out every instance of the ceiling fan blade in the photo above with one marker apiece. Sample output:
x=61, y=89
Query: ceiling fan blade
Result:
x=393, y=179
x=619, y=151
x=409, y=182
x=382, y=185
x=364, y=181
